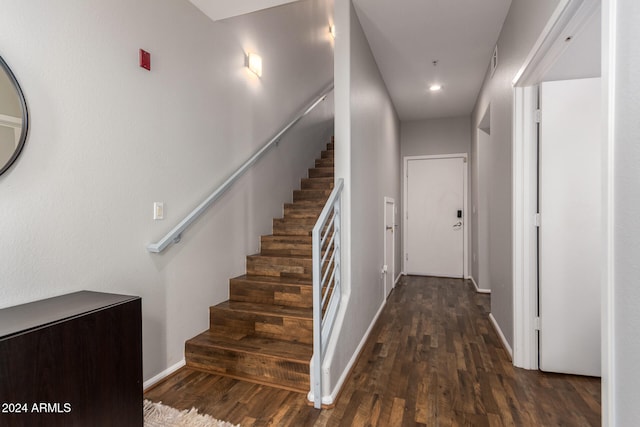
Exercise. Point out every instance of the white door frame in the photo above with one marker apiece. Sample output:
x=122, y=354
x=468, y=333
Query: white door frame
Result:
x=567, y=19
x=482, y=283
x=389, y=264
x=525, y=240
x=465, y=216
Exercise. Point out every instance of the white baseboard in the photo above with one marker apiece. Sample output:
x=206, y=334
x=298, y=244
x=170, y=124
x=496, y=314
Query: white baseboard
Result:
x=398, y=279
x=505, y=344
x=330, y=399
x=162, y=375
x=478, y=290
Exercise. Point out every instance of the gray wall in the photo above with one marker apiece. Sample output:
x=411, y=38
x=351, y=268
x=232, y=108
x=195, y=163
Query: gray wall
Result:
x=625, y=292
x=109, y=138
x=523, y=25
x=368, y=158
x=435, y=136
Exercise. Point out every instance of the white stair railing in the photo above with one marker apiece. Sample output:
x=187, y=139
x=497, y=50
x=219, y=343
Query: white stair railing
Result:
x=326, y=283
x=175, y=234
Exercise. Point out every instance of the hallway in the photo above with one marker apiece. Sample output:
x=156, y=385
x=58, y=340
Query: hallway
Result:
x=432, y=359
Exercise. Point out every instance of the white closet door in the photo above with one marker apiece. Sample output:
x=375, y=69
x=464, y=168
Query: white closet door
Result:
x=570, y=233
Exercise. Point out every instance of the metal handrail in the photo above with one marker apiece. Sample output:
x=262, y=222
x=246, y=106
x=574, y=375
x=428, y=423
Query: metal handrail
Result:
x=330, y=282
x=175, y=234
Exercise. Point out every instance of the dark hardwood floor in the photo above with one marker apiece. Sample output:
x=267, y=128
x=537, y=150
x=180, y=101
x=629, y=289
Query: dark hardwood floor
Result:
x=433, y=359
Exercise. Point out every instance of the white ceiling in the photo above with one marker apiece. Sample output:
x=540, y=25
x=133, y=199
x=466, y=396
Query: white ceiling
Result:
x=407, y=35
x=217, y=9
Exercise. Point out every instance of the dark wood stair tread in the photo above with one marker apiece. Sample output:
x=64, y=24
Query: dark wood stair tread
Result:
x=319, y=195
x=266, y=309
x=285, y=244
x=306, y=204
x=283, y=291
x=288, y=257
x=318, y=179
x=298, y=240
x=321, y=172
x=318, y=182
x=273, y=280
x=292, y=225
x=301, y=221
x=280, y=265
x=312, y=194
x=266, y=347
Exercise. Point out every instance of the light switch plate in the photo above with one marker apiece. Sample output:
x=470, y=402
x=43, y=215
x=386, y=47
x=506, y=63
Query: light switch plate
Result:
x=158, y=210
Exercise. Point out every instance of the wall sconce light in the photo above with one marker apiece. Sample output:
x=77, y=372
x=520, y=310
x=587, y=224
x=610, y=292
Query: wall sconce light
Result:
x=254, y=63
x=435, y=87
x=332, y=31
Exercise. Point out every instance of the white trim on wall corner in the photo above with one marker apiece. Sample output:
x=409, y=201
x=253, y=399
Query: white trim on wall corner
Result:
x=525, y=241
x=609, y=60
x=503, y=339
x=398, y=278
x=478, y=289
x=330, y=399
x=162, y=375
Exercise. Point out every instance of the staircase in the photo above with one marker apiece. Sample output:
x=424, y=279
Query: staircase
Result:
x=264, y=332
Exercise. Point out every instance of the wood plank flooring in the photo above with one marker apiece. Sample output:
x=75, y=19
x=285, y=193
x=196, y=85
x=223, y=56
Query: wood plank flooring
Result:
x=432, y=359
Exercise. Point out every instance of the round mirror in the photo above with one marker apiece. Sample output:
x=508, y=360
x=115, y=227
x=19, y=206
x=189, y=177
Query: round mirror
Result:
x=13, y=118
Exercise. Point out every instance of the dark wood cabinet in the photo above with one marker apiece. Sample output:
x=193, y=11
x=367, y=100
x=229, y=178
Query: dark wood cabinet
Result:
x=72, y=360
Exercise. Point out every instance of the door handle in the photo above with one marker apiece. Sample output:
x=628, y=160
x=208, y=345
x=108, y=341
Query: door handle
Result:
x=457, y=224
x=389, y=228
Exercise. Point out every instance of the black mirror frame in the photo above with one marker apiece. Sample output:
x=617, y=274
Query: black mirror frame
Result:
x=25, y=117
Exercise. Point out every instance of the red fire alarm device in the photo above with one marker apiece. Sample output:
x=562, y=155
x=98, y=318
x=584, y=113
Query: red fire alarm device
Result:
x=145, y=59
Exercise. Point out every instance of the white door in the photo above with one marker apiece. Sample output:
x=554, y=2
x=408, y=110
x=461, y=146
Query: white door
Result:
x=435, y=216
x=389, y=269
x=570, y=231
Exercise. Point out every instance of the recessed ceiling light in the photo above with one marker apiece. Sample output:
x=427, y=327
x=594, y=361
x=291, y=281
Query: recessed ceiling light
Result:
x=435, y=87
